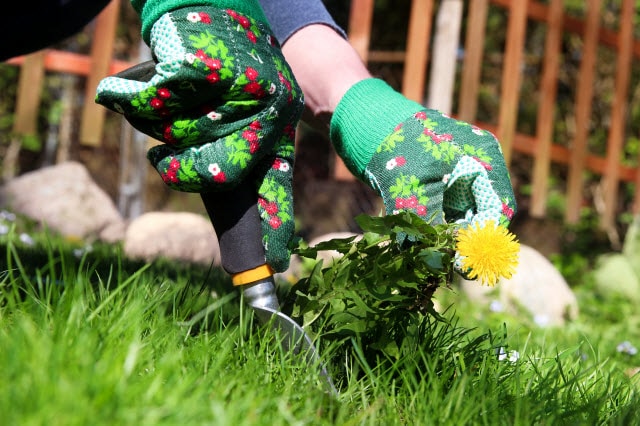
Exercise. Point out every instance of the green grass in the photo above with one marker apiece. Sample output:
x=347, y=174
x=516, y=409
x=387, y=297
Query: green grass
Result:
x=101, y=340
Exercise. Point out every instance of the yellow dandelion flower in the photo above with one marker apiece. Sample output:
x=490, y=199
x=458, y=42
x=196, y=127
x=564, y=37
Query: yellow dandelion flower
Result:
x=488, y=252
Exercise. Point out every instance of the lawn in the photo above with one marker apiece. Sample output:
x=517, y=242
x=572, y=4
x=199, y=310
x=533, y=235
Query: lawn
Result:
x=91, y=338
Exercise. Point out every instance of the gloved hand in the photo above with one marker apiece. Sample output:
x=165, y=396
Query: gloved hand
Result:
x=450, y=171
x=443, y=170
x=224, y=102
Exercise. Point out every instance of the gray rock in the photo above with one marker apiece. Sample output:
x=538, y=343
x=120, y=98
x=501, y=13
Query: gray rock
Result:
x=631, y=247
x=618, y=274
x=537, y=286
x=183, y=236
x=64, y=198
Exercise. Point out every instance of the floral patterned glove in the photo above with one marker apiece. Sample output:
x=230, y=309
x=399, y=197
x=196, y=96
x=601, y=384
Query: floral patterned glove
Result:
x=442, y=169
x=224, y=102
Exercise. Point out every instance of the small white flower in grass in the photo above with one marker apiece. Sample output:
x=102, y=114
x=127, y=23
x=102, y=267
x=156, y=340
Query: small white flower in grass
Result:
x=79, y=252
x=542, y=320
x=626, y=348
x=496, y=306
x=7, y=215
x=26, y=239
x=4, y=229
x=503, y=355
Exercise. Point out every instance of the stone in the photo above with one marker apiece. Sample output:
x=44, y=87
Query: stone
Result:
x=631, y=246
x=537, y=286
x=181, y=236
x=64, y=198
x=614, y=276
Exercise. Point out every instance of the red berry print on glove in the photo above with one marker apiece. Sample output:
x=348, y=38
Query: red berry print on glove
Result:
x=507, y=210
x=275, y=222
x=164, y=93
x=167, y=134
x=171, y=176
x=438, y=138
x=271, y=208
x=250, y=29
x=486, y=165
x=251, y=74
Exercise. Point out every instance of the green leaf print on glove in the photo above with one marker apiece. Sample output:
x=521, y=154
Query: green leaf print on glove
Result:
x=220, y=97
x=443, y=170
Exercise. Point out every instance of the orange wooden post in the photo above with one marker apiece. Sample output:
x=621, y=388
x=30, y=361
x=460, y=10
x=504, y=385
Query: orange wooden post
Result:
x=615, y=140
x=584, y=98
x=418, y=37
x=511, y=76
x=360, y=19
x=472, y=64
x=29, y=94
x=546, y=110
x=93, y=115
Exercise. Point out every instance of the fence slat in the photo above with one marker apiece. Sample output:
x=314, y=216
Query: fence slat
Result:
x=445, y=55
x=93, y=115
x=472, y=63
x=418, y=37
x=511, y=76
x=538, y=11
x=29, y=94
x=584, y=98
x=546, y=110
x=360, y=20
x=71, y=63
x=619, y=108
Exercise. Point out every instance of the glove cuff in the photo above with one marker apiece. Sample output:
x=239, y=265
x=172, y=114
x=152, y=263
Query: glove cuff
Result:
x=151, y=10
x=364, y=117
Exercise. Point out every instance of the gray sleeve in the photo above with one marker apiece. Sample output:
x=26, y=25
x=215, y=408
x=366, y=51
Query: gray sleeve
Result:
x=288, y=16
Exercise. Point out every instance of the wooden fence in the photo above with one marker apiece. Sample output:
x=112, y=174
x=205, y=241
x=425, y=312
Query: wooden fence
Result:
x=540, y=146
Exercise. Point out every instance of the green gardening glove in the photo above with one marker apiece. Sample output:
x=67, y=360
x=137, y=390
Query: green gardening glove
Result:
x=224, y=102
x=442, y=169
